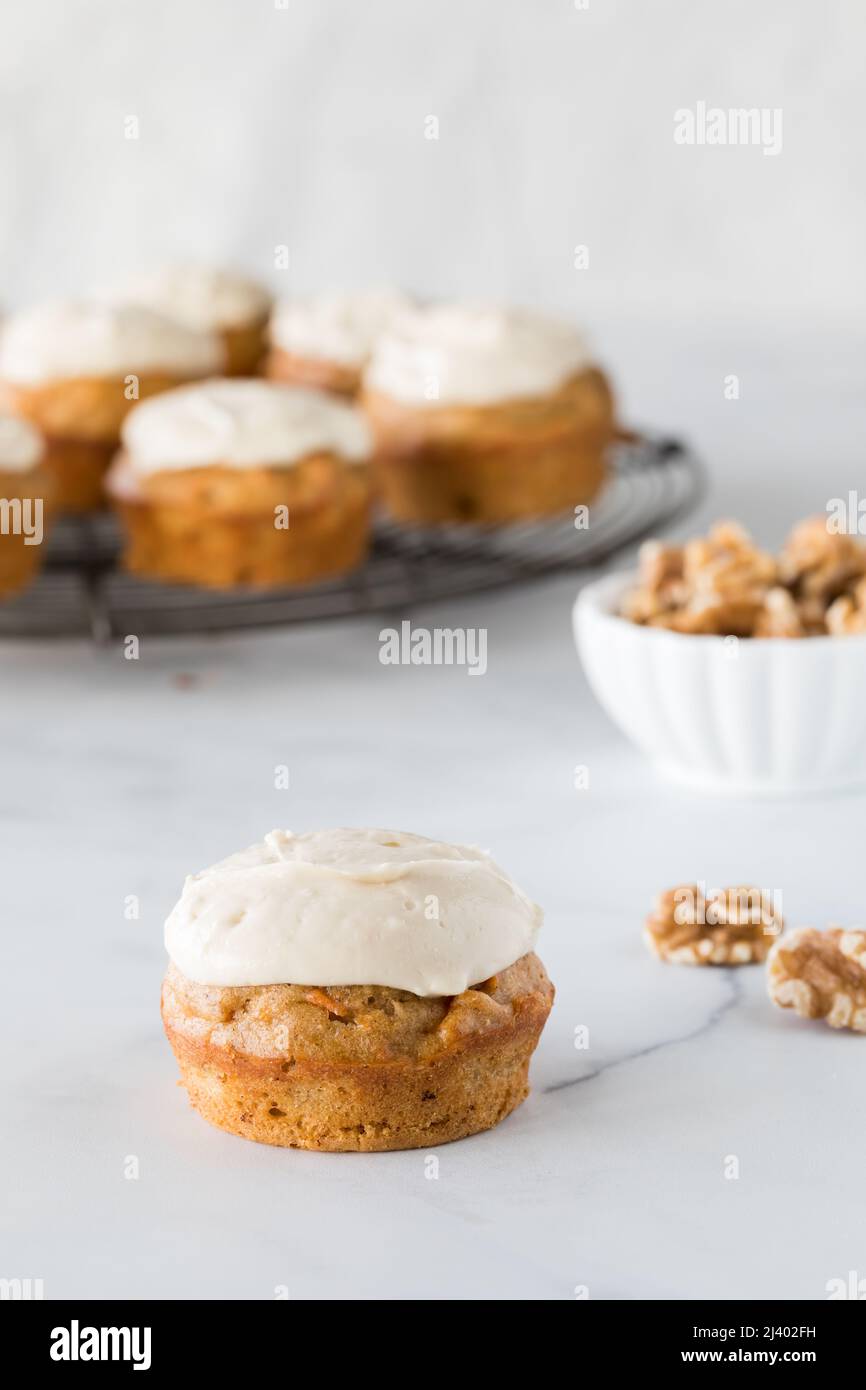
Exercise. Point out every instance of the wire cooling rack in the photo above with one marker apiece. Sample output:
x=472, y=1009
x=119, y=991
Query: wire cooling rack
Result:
x=82, y=592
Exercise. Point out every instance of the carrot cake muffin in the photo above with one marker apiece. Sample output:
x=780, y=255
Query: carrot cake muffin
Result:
x=354, y=990
x=243, y=482
x=76, y=368
x=485, y=415
x=224, y=302
x=326, y=340
x=25, y=499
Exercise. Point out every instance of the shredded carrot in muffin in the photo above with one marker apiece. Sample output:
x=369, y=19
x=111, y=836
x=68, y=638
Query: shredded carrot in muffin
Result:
x=326, y=1001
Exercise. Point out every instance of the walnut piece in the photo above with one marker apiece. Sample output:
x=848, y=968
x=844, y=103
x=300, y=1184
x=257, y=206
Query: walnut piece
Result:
x=731, y=926
x=780, y=616
x=821, y=974
x=661, y=589
x=716, y=584
x=724, y=585
x=818, y=563
x=847, y=614
x=727, y=577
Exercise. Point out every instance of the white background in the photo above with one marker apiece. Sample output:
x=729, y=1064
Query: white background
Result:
x=260, y=127
x=305, y=126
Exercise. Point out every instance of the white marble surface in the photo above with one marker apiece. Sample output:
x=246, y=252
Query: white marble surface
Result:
x=119, y=777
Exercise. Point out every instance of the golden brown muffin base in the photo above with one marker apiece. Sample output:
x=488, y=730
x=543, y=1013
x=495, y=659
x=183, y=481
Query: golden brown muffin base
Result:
x=78, y=468
x=80, y=419
x=335, y=377
x=214, y=527
x=245, y=348
x=356, y=1068
x=19, y=562
x=492, y=464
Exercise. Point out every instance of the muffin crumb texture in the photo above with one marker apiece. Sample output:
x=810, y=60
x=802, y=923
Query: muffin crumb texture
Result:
x=357, y=1067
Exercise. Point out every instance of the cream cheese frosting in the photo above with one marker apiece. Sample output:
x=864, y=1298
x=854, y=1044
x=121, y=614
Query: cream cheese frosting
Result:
x=241, y=423
x=351, y=907
x=339, y=328
x=79, y=338
x=21, y=446
x=201, y=296
x=473, y=354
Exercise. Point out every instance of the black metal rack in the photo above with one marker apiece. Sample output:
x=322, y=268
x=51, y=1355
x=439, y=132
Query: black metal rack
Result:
x=82, y=592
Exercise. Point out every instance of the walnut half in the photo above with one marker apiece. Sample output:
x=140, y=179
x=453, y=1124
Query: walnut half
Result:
x=821, y=974
x=847, y=614
x=733, y=926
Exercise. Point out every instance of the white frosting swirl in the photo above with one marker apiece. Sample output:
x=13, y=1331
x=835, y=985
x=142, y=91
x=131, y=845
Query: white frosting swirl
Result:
x=201, y=296
x=340, y=328
x=472, y=354
x=21, y=445
x=241, y=423
x=351, y=907
x=92, y=339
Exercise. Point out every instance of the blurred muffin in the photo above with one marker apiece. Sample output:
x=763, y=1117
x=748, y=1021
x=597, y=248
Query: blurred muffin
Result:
x=233, y=482
x=485, y=415
x=25, y=503
x=233, y=306
x=75, y=369
x=354, y=990
x=326, y=341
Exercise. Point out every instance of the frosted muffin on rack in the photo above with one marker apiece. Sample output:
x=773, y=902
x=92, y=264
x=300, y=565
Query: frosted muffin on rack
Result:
x=354, y=990
x=26, y=500
x=327, y=340
x=235, y=482
x=483, y=414
x=75, y=369
x=213, y=300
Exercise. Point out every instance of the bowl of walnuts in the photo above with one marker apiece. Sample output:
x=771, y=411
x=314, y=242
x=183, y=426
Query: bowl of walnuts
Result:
x=733, y=669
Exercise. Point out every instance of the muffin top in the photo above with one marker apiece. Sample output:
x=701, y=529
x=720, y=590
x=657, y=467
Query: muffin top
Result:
x=351, y=907
x=355, y=1024
x=79, y=338
x=336, y=327
x=241, y=424
x=204, y=297
x=21, y=446
x=473, y=354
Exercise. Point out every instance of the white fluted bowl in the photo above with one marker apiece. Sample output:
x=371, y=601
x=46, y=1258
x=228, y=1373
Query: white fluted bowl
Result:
x=758, y=716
